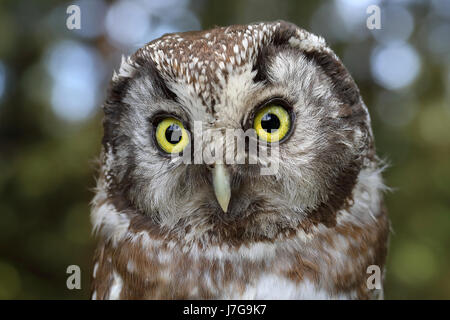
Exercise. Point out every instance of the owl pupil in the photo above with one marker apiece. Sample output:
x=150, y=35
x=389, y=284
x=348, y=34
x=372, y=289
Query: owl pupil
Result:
x=270, y=122
x=173, y=134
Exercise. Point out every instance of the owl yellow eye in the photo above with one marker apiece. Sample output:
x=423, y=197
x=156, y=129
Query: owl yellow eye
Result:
x=171, y=135
x=272, y=123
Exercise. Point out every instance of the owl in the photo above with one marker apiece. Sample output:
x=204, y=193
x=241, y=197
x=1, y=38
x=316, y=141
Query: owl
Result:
x=183, y=212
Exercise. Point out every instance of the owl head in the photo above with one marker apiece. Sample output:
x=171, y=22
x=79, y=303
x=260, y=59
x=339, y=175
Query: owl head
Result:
x=169, y=109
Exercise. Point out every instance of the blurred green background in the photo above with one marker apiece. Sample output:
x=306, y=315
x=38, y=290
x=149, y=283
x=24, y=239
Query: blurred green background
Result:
x=53, y=80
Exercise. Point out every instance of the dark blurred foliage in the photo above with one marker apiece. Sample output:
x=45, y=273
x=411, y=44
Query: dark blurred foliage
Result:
x=52, y=82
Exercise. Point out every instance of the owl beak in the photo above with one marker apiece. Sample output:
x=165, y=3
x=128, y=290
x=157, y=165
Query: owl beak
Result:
x=221, y=183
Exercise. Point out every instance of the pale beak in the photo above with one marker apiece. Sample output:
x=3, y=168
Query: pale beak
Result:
x=221, y=183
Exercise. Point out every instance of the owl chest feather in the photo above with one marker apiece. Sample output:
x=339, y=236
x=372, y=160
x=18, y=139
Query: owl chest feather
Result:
x=328, y=265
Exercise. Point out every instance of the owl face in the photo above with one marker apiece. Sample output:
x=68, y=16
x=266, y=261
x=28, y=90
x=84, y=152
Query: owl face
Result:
x=173, y=101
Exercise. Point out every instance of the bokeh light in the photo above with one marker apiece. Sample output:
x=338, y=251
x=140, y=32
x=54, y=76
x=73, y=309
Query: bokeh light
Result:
x=127, y=23
x=397, y=24
x=2, y=79
x=92, y=18
x=395, y=65
x=77, y=71
x=441, y=8
x=356, y=9
x=131, y=24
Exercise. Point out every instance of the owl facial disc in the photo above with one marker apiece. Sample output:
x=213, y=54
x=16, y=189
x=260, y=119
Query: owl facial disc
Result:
x=221, y=184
